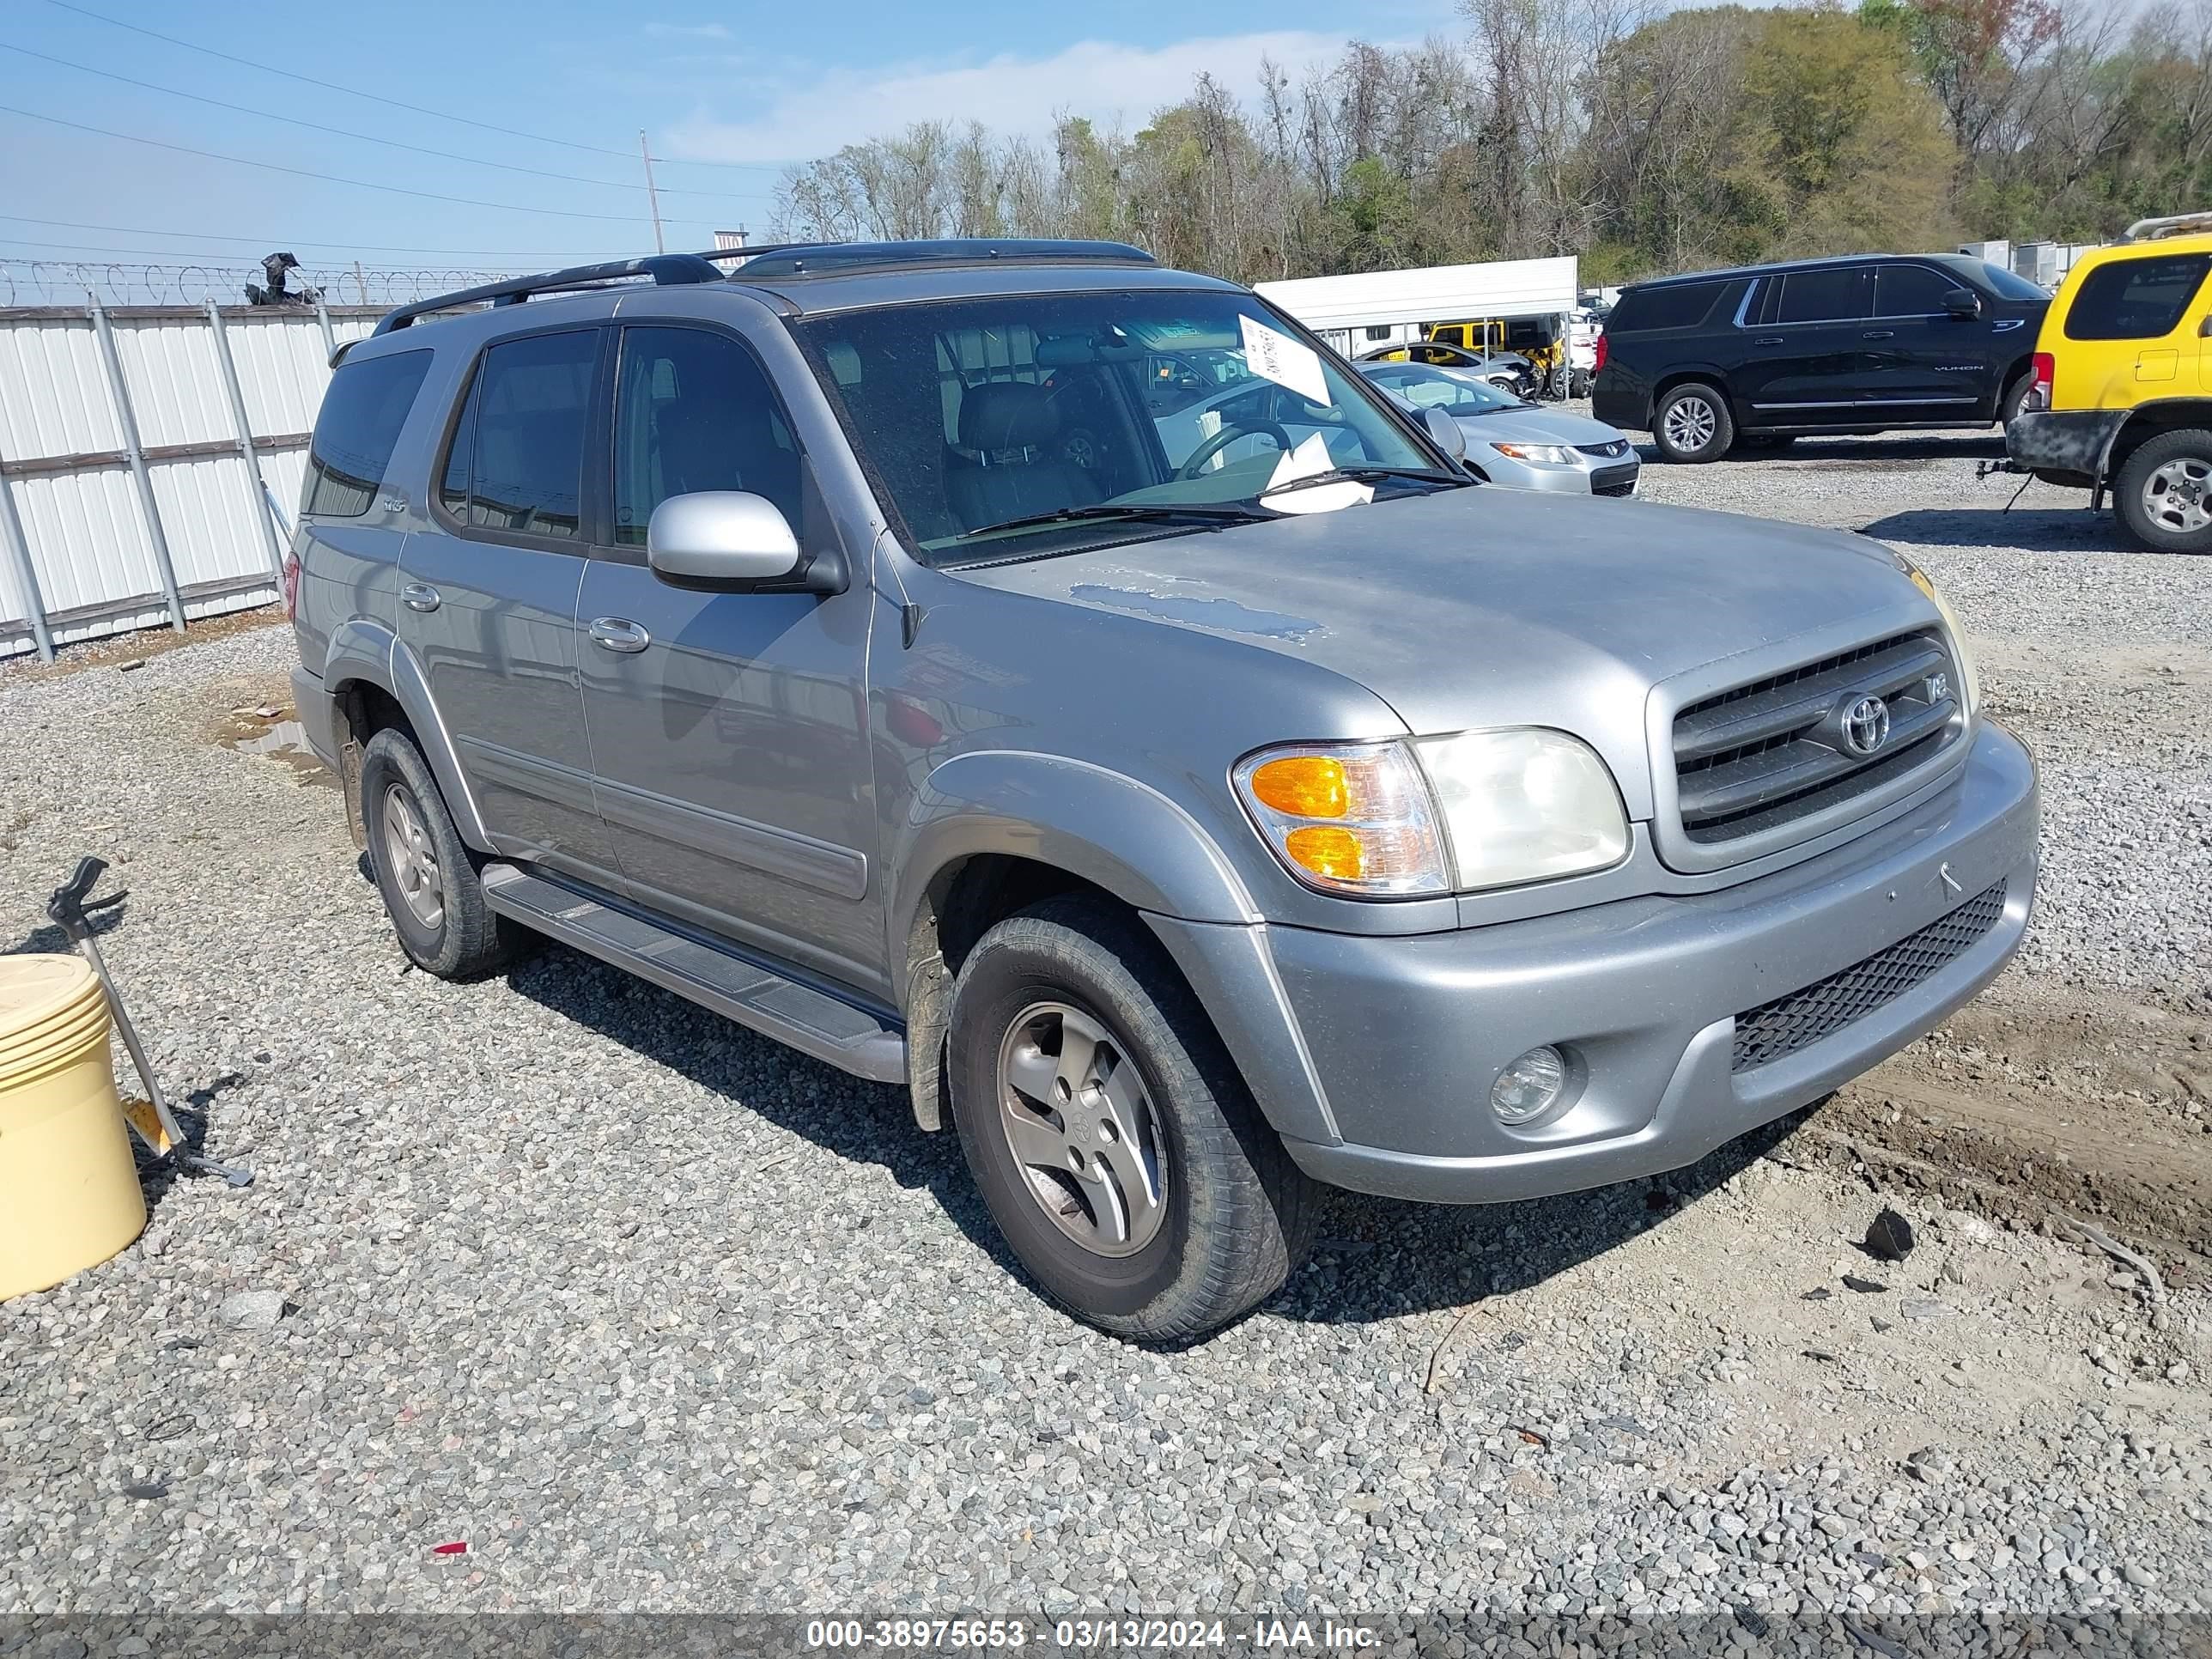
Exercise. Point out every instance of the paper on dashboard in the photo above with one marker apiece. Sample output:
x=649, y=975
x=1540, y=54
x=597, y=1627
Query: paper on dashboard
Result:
x=1311, y=460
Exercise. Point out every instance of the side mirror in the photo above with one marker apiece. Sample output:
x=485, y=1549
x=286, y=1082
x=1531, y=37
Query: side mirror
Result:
x=721, y=538
x=1445, y=430
x=1963, y=303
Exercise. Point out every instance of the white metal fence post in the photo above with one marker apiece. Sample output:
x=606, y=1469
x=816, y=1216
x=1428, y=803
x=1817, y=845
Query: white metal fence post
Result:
x=26, y=575
x=329, y=337
x=255, y=480
x=127, y=419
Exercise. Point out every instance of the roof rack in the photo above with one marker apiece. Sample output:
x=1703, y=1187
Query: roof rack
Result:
x=665, y=269
x=837, y=258
x=2174, y=224
x=770, y=259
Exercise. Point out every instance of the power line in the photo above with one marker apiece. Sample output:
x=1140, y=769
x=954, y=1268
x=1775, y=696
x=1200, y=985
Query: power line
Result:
x=285, y=241
x=328, y=178
x=369, y=137
x=378, y=98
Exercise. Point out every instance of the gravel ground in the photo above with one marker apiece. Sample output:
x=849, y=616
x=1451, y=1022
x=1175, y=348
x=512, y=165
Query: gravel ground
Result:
x=655, y=1315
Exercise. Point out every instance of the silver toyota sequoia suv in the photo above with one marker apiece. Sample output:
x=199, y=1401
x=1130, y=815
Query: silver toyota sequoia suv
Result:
x=865, y=642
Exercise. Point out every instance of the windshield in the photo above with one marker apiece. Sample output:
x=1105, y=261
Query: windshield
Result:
x=2010, y=285
x=1147, y=413
x=1455, y=392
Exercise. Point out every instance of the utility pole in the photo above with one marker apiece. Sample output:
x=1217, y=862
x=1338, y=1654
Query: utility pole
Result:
x=652, y=195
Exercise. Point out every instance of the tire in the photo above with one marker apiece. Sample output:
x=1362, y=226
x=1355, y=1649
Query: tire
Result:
x=426, y=872
x=1193, y=1213
x=1578, y=383
x=2010, y=399
x=1692, y=423
x=2163, y=492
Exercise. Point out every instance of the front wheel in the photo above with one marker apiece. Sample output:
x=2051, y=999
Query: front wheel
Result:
x=1119, y=1152
x=2163, y=492
x=1693, y=424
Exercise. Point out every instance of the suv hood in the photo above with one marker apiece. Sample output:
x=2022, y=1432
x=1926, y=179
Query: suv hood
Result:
x=1496, y=607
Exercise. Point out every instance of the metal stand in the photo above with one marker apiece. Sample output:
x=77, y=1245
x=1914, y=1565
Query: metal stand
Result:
x=70, y=908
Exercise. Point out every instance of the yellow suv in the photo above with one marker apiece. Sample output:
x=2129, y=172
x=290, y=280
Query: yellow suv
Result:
x=2122, y=397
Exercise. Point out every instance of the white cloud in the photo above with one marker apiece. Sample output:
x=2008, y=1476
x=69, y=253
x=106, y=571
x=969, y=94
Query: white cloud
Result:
x=687, y=31
x=1009, y=94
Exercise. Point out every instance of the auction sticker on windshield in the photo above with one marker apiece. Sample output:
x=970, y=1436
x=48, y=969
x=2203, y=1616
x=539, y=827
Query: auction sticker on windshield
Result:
x=1278, y=357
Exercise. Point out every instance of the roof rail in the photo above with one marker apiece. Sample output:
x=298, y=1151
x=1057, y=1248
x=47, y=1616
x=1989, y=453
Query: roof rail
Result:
x=833, y=258
x=663, y=268
x=2174, y=224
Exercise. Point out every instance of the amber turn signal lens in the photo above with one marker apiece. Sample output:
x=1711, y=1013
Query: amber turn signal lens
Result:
x=1304, y=786
x=1334, y=853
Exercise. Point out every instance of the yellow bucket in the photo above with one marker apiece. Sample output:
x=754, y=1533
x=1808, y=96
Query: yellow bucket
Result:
x=69, y=1190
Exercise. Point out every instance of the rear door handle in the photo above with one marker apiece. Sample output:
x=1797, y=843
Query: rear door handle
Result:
x=420, y=596
x=1879, y=334
x=1768, y=339
x=618, y=634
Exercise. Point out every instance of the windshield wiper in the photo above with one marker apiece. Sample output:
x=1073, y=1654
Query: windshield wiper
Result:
x=1365, y=474
x=1158, y=512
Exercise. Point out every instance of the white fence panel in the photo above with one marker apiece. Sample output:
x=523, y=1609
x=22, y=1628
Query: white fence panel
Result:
x=73, y=513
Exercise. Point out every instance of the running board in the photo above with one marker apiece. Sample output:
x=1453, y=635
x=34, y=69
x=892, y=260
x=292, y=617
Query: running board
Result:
x=736, y=987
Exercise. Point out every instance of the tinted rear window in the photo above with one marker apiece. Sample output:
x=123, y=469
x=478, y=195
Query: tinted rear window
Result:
x=1831, y=293
x=1681, y=305
x=361, y=416
x=2136, y=298
x=517, y=459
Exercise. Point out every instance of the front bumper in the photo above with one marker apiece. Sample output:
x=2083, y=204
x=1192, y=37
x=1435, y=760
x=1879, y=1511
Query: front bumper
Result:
x=2063, y=445
x=1586, y=476
x=1403, y=1037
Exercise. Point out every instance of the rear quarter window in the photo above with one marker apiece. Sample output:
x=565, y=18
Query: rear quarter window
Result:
x=2136, y=298
x=1680, y=305
x=359, y=426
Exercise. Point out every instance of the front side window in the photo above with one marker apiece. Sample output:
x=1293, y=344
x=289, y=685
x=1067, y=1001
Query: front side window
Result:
x=516, y=460
x=1123, y=407
x=359, y=426
x=1831, y=294
x=2136, y=298
x=1911, y=291
x=694, y=411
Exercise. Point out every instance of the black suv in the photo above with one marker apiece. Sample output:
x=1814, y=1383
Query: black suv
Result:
x=1867, y=343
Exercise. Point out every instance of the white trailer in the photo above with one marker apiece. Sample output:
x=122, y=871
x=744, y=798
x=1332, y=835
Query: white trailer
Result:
x=1358, y=313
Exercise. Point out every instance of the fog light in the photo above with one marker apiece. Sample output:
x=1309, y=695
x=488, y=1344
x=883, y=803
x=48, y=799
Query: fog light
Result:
x=1531, y=1087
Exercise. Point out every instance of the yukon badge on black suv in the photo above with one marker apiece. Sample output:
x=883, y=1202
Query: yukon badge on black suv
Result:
x=1770, y=353
x=1188, y=817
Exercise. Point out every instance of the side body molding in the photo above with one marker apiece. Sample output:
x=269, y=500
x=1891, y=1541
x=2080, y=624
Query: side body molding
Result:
x=365, y=651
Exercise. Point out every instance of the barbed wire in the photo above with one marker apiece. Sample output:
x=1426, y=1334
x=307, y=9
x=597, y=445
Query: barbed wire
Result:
x=65, y=282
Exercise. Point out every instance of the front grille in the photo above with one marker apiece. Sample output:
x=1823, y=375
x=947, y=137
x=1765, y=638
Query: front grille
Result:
x=1605, y=451
x=1763, y=755
x=1614, y=480
x=1782, y=1027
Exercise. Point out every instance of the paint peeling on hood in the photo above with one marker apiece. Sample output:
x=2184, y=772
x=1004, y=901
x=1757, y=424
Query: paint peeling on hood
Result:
x=1213, y=614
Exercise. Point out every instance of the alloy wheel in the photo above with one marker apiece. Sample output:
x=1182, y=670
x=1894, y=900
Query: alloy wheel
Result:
x=1690, y=424
x=412, y=857
x=1079, y=1121
x=2177, y=497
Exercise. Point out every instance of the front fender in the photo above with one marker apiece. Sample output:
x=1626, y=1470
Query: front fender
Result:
x=1109, y=829
x=363, y=652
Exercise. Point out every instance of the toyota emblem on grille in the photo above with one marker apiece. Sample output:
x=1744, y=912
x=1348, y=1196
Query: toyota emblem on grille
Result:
x=1866, y=725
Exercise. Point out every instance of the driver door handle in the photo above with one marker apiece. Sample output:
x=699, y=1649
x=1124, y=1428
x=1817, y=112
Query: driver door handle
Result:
x=1768, y=339
x=420, y=596
x=618, y=634
x=1879, y=334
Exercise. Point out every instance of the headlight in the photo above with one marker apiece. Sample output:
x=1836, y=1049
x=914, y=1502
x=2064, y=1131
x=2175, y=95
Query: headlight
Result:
x=1952, y=626
x=1436, y=815
x=1543, y=454
x=1523, y=805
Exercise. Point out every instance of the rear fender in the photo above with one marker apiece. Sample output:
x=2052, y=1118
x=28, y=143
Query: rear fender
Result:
x=362, y=652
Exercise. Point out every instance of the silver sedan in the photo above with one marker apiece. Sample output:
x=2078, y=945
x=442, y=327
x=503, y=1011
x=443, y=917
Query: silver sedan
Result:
x=1522, y=446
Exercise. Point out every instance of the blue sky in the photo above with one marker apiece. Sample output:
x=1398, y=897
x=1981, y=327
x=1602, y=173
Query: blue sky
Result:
x=754, y=85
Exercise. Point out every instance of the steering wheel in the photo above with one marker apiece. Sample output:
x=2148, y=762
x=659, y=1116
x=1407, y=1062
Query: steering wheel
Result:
x=1220, y=440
